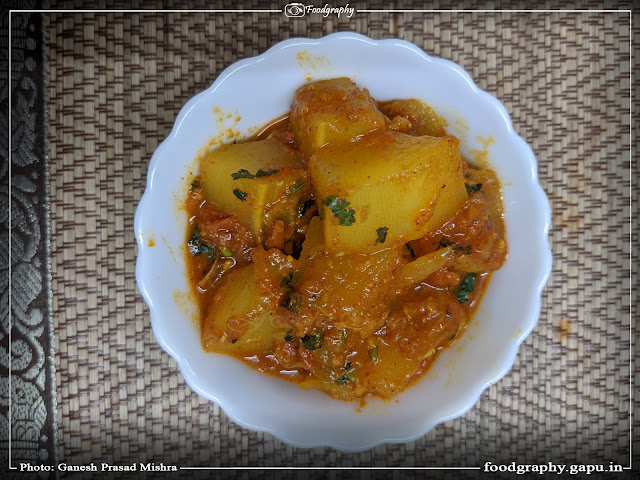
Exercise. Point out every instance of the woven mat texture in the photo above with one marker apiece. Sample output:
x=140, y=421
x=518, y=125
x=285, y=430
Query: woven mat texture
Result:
x=116, y=82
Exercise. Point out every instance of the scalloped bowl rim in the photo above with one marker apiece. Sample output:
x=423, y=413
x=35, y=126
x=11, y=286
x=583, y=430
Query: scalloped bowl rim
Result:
x=242, y=415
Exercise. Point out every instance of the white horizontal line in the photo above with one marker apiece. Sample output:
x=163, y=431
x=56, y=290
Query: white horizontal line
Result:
x=365, y=10
x=330, y=468
x=143, y=11
x=466, y=10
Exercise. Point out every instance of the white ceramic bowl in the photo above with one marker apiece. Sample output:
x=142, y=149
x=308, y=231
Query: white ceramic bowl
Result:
x=260, y=89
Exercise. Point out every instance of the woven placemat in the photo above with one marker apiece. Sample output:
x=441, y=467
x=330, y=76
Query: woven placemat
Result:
x=116, y=82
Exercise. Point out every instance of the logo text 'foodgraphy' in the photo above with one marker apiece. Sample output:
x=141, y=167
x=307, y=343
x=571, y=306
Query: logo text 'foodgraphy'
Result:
x=300, y=10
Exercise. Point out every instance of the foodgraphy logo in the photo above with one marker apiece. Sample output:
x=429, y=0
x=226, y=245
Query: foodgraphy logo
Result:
x=300, y=10
x=294, y=10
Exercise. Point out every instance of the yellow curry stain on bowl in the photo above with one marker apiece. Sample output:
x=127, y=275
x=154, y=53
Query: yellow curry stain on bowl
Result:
x=226, y=126
x=312, y=65
x=168, y=245
x=186, y=182
x=461, y=129
x=480, y=156
x=151, y=242
x=187, y=302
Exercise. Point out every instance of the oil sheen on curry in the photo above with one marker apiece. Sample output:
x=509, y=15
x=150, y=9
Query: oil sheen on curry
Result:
x=345, y=245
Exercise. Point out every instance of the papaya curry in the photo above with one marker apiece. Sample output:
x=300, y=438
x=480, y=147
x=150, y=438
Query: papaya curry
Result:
x=344, y=246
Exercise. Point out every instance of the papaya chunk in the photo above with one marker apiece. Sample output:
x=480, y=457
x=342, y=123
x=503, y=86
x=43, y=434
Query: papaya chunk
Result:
x=261, y=182
x=332, y=111
x=386, y=189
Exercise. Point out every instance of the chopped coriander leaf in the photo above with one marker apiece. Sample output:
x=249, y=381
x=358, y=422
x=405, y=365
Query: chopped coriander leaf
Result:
x=195, y=184
x=411, y=252
x=286, y=281
x=240, y=194
x=198, y=247
x=207, y=250
x=288, y=337
x=226, y=252
x=305, y=207
x=444, y=242
x=243, y=173
x=289, y=281
x=298, y=186
x=373, y=354
x=472, y=188
x=347, y=366
x=292, y=303
x=194, y=239
x=382, y=234
x=263, y=173
x=313, y=341
x=338, y=207
x=234, y=340
x=347, y=377
x=465, y=250
x=467, y=175
x=466, y=286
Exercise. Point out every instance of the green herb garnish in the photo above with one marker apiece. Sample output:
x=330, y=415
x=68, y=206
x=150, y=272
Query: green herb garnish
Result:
x=197, y=246
x=444, y=242
x=243, y=173
x=313, y=341
x=411, y=252
x=194, y=240
x=338, y=207
x=297, y=186
x=226, y=252
x=234, y=340
x=289, y=281
x=240, y=194
x=293, y=302
x=263, y=173
x=288, y=337
x=466, y=286
x=305, y=207
x=382, y=234
x=472, y=188
x=466, y=249
x=195, y=184
x=347, y=377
